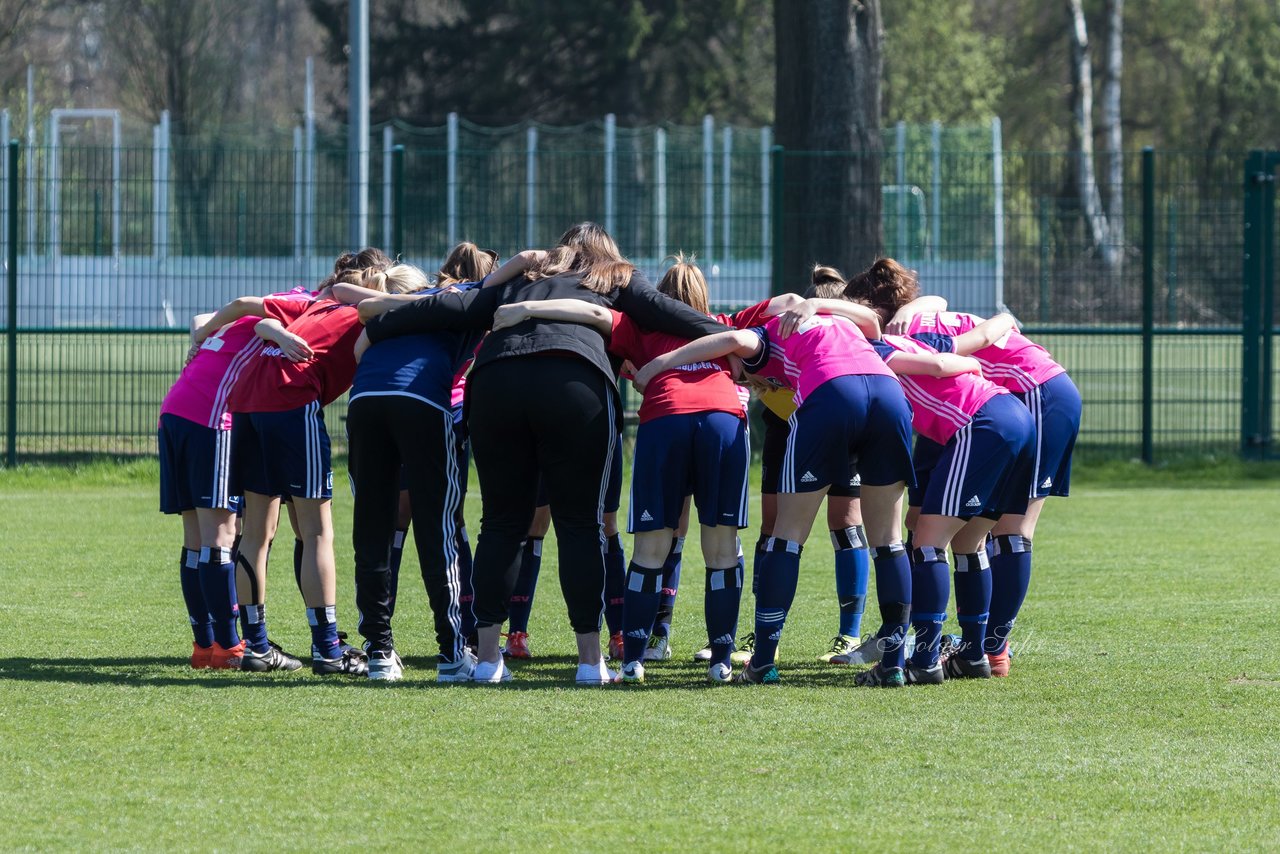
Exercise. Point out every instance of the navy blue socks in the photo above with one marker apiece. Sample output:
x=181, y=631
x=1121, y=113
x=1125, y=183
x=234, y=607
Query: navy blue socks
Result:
x=639, y=609
x=930, y=590
x=521, y=603
x=1010, y=578
x=193, y=596
x=779, y=571
x=218, y=583
x=893, y=592
x=973, y=598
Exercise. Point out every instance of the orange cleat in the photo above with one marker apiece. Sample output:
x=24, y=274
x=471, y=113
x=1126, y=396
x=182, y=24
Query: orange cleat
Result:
x=226, y=659
x=201, y=656
x=517, y=645
x=615, y=646
x=999, y=662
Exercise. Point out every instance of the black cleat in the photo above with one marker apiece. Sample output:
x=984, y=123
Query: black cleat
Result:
x=956, y=667
x=348, y=663
x=881, y=677
x=274, y=658
x=923, y=676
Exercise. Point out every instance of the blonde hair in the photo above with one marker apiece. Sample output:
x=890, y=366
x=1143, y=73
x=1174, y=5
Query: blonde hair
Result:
x=586, y=248
x=351, y=267
x=396, y=279
x=684, y=281
x=466, y=263
x=825, y=283
x=885, y=286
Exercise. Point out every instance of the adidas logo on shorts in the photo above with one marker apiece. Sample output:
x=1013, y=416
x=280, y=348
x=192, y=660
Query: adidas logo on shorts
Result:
x=807, y=477
x=1048, y=482
x=645, y=517
x=973, y=502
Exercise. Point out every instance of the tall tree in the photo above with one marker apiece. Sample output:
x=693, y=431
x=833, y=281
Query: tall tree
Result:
x=827, y=108
x=1082, y=102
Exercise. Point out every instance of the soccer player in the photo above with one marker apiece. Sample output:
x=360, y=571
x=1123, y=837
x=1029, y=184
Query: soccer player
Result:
x=848, y=404
x=194, y=435
x=280, y=445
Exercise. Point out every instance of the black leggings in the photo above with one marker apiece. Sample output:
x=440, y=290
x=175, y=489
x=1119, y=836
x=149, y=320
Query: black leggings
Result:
x=554, y=414
x=385, y=432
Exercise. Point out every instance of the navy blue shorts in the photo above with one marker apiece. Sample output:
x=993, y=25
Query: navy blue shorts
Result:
x=612, y=490
x=859, y=416
x=776, y=431
x=706, y=453
x=195, y=466
x=923, y=459
x=985, y=469
x=282, y=453
x=1055, y=408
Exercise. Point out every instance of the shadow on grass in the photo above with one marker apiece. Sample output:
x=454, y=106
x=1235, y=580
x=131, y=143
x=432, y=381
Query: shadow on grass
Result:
x=553, y=672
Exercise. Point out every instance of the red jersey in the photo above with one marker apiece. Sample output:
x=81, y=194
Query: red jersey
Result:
x=272, y=383
x=700, y=387
x=752, y=315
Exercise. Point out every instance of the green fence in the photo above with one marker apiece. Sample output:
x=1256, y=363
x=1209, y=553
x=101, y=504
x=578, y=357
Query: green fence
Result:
x=110, y=250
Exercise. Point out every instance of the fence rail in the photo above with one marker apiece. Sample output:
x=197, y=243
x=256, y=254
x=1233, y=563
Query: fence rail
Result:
x=117, y=247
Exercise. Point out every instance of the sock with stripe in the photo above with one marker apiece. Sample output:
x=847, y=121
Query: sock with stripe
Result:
x=893, y=593
x=521, y=602
x=393, y=562
x=930, y=590
x=253, y=627
x=973, y=599
x=1010, y=578
x=721, y=602
x=467, y=594
x=853, y=571
x=218, y=583
x=324, y=631
x=193, y=596
x=779, y=572
x=639, y=608
x=615, y=580
x=670, y=586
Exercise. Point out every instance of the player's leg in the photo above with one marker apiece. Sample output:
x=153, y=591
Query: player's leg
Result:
x=660, y=640
x=175, y=499
x=776, y=431
x=521, y=603
x=852, y=564
x=615, y=556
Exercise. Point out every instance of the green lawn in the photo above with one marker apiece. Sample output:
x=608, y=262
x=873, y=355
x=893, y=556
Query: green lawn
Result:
x=1141, y=713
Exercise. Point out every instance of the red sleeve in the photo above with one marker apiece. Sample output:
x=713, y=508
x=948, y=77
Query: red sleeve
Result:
x=750, y=316
x=285, y=310
x=624, y=337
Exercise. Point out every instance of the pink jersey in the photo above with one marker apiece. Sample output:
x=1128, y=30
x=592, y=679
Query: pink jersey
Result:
x=1014, y=362
x=823, y=348
x=201, y=390
x=939, y=405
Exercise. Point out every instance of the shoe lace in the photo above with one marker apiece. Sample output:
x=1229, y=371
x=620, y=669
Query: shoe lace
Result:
x=655, y=641
x=839, y=644
x=748, y=643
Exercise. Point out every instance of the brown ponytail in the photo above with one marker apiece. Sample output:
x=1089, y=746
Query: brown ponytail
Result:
x=351, y=266
x=587, y=249
x=886, y=286
x=684, y=281
x=466, y=263
x=826, y=283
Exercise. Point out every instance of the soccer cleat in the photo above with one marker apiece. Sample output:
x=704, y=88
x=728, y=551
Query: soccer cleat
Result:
x=840, y=645
x=745, y=650
x=595, y=674
x=955, y=667
x=385, y=666
x=201, y=656
x=274, y=658
x=461, y=670
x=923, y=676
x=633, y=672
x=719, y=673
x=348, y=663
x=703, y=654
x=870, y=650
x=490, y=672
x=748, y=675
x=999, y=662
x=226, y=659
x=517, y=645
x=615, y=647
x=659, y=648
x=949, y=645
x=880, y=677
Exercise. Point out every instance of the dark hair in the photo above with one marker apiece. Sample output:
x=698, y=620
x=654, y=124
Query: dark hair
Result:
x=588, y=249
x=886, y=286
x=351, y=266
x=466, y=263
x=825, y=283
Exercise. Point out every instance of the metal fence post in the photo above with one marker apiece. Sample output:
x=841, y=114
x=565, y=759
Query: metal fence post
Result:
x=11, y=399
x=1148, y=299
x=1254, y=249
x=397, y=201
x=777, y=285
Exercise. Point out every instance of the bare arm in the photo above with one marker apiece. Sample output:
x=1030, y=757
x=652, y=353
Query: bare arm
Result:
x=514, y=267
x=294, y=347
x=781, y=303
x=735, y=342
x=355, y=294
x=933, y=365
x=901, y=320
x=564, y=310
x=232, y=311
x=984, y=334
x=865, y=318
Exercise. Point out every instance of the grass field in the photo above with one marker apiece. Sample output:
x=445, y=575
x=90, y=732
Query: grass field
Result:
x=1141, y=713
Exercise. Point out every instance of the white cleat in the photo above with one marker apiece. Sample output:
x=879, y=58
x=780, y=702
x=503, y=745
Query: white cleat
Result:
x=703, y=654
x=595, y=674
x=385, y=666
x=633, y=672
x=659, y=648
x=490, y=673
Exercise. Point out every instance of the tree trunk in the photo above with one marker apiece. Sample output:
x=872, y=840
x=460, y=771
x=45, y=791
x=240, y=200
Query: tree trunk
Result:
x=1082, y=97
x=827, y=117
x=1111, y=122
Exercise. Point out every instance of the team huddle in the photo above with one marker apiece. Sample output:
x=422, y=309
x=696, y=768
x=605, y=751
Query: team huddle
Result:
x=517, y=367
